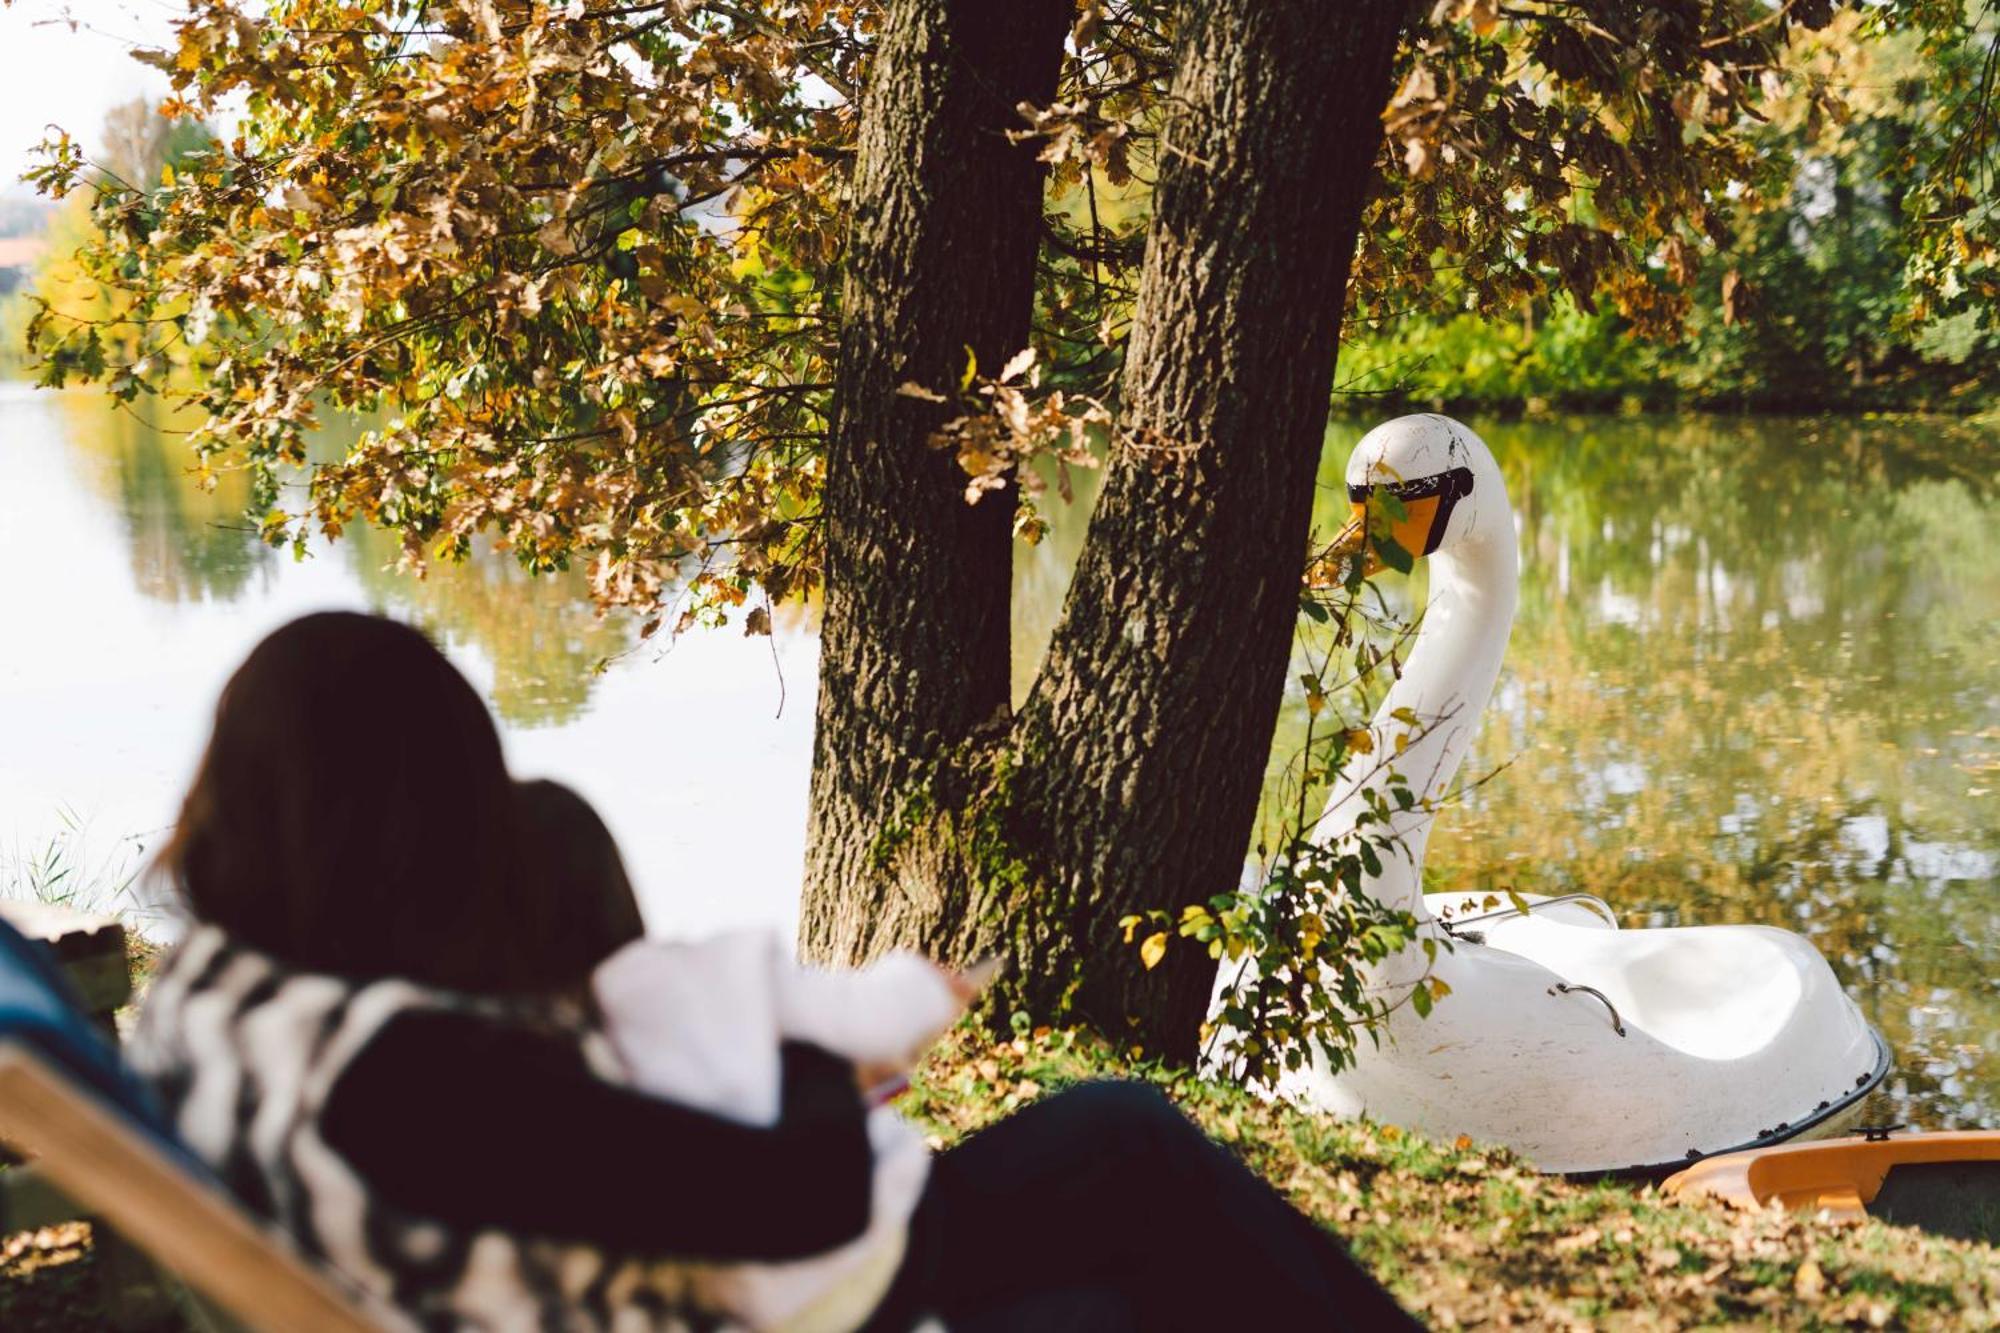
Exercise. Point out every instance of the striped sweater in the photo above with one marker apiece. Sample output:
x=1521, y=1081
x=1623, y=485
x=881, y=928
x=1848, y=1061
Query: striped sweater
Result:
x=245, y=1054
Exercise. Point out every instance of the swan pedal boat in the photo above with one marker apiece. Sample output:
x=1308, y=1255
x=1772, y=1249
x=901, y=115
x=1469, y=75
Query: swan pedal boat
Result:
x=1586, y=1048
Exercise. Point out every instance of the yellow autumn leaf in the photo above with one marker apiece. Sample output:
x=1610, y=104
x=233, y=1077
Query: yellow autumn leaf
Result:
x=1361, y=740
x=1152, y=949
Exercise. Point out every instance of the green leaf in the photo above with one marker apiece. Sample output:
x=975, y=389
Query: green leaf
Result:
x=1393, y=555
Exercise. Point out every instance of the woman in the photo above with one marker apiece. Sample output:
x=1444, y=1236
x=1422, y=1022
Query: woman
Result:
x=374, y=1033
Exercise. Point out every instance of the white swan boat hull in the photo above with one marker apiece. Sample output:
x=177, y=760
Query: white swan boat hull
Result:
x=1589, y=1050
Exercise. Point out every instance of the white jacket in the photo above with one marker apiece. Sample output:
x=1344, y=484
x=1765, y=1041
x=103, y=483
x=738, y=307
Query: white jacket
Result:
x=700, y=1023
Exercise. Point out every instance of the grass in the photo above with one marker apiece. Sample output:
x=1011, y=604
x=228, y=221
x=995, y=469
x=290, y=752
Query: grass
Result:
x=1465, y=1236
x=1468, y=1236
x=65, y=872
x=50, y=1282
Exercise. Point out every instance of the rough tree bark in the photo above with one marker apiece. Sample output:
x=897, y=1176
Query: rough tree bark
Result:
x=941, y=258
x=1145, y=738
x=1130, y=778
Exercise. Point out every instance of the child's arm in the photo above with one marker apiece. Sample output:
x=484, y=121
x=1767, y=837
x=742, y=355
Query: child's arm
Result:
x=882, y=1017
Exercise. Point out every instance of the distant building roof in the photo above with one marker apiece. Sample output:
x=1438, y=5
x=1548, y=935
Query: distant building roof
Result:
x=20, y=251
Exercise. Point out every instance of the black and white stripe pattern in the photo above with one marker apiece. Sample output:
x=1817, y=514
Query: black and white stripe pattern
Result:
x=245, y=1054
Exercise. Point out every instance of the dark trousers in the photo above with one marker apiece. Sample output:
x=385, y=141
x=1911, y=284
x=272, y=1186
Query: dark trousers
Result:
x=1105, y=1209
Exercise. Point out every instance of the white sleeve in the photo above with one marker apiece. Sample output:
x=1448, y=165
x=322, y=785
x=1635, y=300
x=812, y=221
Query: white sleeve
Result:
x=696, y=1022
x=887, y=1013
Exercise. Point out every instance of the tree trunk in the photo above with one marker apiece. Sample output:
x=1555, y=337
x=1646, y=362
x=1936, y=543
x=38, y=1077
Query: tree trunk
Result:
x=941, y=258
x=1144, y=741
x=1130, y=780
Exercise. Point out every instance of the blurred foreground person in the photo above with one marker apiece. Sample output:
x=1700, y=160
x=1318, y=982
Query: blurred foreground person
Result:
x=380, y=1029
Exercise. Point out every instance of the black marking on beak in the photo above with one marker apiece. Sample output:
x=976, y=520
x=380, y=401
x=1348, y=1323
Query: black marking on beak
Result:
x=1449, y=487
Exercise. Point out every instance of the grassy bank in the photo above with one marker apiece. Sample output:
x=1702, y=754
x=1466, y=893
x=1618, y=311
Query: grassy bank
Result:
x=1465, y=1237
x=1469, y=1237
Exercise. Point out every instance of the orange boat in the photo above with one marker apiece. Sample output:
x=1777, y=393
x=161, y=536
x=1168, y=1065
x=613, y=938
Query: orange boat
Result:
x=1947, y=1182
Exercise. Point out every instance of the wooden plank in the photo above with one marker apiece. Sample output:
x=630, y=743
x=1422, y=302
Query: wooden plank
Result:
x=182, y=1221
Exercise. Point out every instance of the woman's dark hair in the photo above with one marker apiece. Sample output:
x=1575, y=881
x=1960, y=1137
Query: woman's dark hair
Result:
x=353, y=814
x=571, y=861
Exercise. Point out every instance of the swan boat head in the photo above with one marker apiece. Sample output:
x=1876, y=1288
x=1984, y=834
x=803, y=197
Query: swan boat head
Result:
x=1452, y=513
x=1452, y=493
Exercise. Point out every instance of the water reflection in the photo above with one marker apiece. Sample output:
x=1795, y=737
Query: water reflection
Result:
x=186, y=544
x=1755, y=677
x=130, y=595
x=546, y=643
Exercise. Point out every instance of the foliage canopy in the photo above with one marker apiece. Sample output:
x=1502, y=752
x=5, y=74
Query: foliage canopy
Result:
x=580, y=263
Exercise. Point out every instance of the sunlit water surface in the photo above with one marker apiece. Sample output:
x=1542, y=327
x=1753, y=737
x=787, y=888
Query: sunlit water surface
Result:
x=1755, y=677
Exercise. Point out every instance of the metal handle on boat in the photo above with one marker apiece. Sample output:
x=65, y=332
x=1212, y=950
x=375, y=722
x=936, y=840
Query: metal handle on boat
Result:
x=1564, y=988
x=1587, y=899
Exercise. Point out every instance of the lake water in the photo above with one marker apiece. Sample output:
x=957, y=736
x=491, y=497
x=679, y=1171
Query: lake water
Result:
x=1755, y=677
